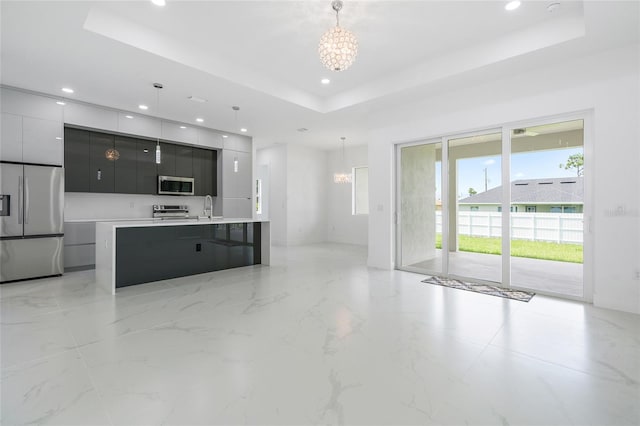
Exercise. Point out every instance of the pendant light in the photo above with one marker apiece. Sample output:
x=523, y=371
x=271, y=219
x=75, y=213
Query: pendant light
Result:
x=342, y=177
x=158, y=86
x=338, y=47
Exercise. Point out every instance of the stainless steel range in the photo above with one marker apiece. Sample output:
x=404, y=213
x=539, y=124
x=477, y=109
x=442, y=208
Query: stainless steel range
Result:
x=164, y=211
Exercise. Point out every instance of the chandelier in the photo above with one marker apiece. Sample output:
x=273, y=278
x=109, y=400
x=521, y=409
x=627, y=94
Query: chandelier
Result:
x=342, y=177
x=338, y=47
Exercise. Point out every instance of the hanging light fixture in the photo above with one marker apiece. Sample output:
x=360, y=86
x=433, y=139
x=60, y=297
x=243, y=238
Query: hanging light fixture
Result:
x=342, y=177
x=112, y=154
x=158, y=86
x=338, y=47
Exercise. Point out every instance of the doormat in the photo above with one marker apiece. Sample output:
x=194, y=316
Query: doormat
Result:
x=492, y=290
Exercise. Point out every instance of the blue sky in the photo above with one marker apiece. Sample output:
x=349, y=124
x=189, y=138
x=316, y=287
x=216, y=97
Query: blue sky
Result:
x=529, y=165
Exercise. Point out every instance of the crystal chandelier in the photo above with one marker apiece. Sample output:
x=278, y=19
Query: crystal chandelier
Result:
x=342, y=177
x=338, y=47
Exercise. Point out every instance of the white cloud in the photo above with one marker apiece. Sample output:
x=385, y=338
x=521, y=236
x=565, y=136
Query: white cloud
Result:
x=489, y=162
x=519, y=174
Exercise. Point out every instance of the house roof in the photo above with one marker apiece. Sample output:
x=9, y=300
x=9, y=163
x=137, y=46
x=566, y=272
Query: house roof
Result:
x=567, y=190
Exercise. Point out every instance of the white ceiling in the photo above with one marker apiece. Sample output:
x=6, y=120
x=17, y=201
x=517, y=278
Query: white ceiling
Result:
x=262, y=55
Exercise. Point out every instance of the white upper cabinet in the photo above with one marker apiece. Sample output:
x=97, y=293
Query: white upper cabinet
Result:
x=139, y=125
x=179, y=132
x=11, y=139
x=42, y=141
x=238, y=143
x=29, y=105
x=90, y=116
x=209, y=138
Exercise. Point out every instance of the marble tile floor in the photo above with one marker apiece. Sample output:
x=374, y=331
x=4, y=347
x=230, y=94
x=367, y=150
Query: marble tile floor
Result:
x=315, y=339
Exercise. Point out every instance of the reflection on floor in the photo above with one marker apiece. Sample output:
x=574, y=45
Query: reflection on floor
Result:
x=542, y=275
x=316, y=338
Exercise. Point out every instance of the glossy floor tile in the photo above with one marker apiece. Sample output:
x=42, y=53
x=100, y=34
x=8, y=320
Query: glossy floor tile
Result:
x=315, y=338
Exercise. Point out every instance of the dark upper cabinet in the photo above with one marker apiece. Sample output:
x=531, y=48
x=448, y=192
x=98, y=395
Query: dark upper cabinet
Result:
x=167, y=166
x=184, y=161
x=101, y=169
x=77, y=149
x=87, y=168
x=146, y=170
x=205, y=171
x=125, y=165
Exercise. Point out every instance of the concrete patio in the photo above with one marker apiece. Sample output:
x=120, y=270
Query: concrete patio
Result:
x=548, y=276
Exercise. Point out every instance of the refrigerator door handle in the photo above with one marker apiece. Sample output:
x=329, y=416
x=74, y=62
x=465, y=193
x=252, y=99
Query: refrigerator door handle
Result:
x=26, y=200
x=20, y=200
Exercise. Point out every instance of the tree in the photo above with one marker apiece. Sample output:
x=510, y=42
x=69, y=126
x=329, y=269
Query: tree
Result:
x=472, y=192
x=575, y=161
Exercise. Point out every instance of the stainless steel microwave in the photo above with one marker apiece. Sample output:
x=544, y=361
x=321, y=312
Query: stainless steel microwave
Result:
x=173, y=185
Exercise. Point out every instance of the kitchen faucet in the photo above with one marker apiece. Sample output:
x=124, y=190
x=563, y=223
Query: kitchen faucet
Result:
x=208, y=212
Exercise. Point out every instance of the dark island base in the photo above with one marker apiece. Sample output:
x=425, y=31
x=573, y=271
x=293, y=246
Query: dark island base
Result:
x=155, y=253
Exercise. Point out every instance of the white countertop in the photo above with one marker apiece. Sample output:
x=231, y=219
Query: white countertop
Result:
x=174, y=222
x=128, y=219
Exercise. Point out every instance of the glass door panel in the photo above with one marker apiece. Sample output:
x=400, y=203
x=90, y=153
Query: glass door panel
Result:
x=475, y=213
x=547, y=199
x=420, y=212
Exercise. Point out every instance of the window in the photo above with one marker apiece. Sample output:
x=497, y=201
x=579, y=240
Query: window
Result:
x=512, y=209
x=556, y=209
x=531, y=209
x=360, y=191
x=474, y=208
x=569, y=209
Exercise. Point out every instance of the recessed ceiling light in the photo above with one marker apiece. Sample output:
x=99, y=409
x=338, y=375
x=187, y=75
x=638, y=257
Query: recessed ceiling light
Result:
x=58, y=138
x=225, y=136
x=60, y=103
x=199, y=120
x=159, y=2
x=143, y=107
x=512, y=5
x=183, y=127
x=67, y=90
x=325, y=81
x=243, y=130
x=145, y=150
x=129, y=116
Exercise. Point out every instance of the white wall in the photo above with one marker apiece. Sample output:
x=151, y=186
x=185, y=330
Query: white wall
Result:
x=342, y=226
x=81, y=205
x=606, y=84
x=275, y=158
x=307, y=182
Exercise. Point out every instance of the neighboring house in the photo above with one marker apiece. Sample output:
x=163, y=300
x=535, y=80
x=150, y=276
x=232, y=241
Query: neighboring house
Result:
x=554, y=195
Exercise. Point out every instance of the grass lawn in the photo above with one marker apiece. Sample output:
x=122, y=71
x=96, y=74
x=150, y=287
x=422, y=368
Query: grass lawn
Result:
x=520, y=248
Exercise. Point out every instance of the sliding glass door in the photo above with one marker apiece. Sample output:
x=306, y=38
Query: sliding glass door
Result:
x=475, y=213
x=420, y=216
x=503, y=206
x=547, y=207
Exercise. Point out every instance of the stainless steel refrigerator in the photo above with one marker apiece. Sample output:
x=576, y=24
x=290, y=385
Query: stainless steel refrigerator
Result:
x=31, y=221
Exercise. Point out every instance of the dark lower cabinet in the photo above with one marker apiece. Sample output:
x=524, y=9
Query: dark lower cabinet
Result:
x=77, y=149
x=146, y=167
x=101, y=173
x=147, y=254
x=125, y=165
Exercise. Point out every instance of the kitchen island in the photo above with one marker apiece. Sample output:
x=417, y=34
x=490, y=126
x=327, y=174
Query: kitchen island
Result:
x=136, y=252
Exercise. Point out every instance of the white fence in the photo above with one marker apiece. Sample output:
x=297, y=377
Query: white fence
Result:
x=555, y=227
